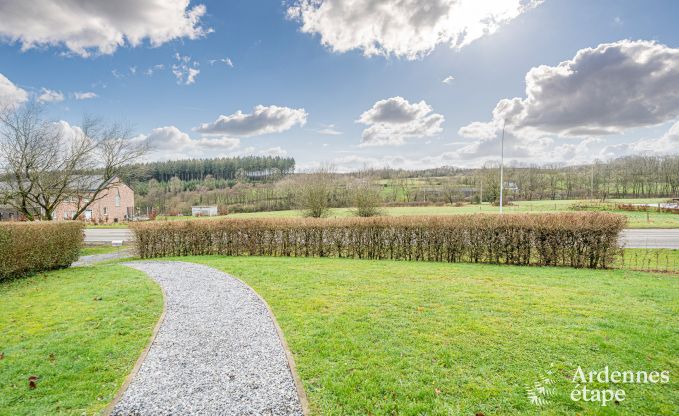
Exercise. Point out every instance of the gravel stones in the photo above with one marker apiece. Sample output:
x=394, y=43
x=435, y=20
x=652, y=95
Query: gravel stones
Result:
x=96, y=258
x=217, y=351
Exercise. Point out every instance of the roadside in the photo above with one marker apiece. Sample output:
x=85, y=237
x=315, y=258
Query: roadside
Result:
x=631, y=238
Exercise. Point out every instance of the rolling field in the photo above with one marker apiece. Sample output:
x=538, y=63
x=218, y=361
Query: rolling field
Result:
x=636, y=219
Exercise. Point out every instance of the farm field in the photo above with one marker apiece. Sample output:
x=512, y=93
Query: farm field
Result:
x=383, y=337
x=636, y=219
x=79, y=331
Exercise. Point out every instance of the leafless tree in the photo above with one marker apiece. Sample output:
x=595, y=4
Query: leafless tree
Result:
x=451, y=191
x=43, y=163
x=314, y=193
x=366, y=195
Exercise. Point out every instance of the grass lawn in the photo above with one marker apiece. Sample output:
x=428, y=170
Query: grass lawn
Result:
x=654, y=259
x=406, y=338
x=636, y=219
x=78, y=330
x=100, y=249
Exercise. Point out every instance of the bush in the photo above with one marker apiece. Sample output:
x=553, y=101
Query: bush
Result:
x=27, y=248
x=647, y=208
x=367, y=199
x=564, y=239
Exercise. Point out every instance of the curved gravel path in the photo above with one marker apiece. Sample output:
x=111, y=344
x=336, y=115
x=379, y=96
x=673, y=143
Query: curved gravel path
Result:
x=216, y=352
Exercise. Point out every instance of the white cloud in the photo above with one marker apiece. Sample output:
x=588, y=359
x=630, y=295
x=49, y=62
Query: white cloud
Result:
x=100, y=26
x=185, y=70
x=448, y=80
x=328, y=130
x=153, y=69
x=392, y=121
x=10, y=94
x=404, y=28
x=226, y=61
x=84, y=95
x=262, y=120
x=50, y=96
x=171, y=143
x=602, y=90
x=353, y=162
x=666, y=144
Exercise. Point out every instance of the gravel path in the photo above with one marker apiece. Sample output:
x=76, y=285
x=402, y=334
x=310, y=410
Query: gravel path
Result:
x=217, y=351
x=96, y=258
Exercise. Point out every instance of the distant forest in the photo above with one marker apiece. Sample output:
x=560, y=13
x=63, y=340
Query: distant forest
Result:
x=249, y=167
x=246, y=184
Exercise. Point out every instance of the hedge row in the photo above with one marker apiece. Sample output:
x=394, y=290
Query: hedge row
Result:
x=647, y=208
x=27, y=248
x=569, y=239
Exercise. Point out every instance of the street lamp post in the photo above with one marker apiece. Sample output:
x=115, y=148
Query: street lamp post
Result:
x=502, y=163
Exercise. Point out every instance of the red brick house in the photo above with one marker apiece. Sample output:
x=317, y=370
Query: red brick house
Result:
x=114, y=204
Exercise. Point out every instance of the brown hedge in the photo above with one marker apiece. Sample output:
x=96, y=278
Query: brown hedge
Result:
x=27, y=248
x=582, y=239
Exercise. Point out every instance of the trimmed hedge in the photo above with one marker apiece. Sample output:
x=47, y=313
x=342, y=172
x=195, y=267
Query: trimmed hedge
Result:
x=580, y=239
x=27, y=248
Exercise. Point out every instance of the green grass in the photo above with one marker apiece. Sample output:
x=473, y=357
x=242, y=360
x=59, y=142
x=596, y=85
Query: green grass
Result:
x=653, y=259
x=100, y=249
x=78, y=330
x=636, y=219
x=383, y=337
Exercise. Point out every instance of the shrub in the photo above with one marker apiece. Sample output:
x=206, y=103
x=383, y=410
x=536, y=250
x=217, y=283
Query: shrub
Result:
x=564, y=239
x=366, y=198
x=591, y=206
x=27, y=248
x=648, y=208
x=314, y=192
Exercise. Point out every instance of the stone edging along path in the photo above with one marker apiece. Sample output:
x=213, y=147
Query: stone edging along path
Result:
x=217, y=350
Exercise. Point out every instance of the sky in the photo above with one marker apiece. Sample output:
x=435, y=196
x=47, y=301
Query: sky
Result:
x=355, y=83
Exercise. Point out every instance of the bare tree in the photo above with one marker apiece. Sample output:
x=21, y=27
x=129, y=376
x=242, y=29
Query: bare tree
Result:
x=315, y=190
x=451, y=192
x=366, y=196
x=43, y=163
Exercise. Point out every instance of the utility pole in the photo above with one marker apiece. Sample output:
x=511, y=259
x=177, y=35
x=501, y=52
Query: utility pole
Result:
x=591, y=189
x=481, y=196
x=502, y=163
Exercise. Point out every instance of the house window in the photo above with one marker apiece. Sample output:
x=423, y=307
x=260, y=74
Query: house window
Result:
x=105, y=210
x=118, y=199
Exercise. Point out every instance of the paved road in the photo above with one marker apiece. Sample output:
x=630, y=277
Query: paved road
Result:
x=106, y=235
x=650, y=238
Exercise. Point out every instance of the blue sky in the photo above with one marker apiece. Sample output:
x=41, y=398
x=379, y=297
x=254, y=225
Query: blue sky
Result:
x=311, y=61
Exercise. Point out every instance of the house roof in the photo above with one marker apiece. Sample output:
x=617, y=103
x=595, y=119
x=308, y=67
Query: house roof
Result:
x=92, y=182
x=89, y=183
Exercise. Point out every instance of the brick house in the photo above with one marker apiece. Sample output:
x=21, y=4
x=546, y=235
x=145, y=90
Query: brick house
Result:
x=114, y=204
x=8, y=213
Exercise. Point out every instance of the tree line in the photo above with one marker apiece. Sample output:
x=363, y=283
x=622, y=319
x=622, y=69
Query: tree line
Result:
x=246, y=167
